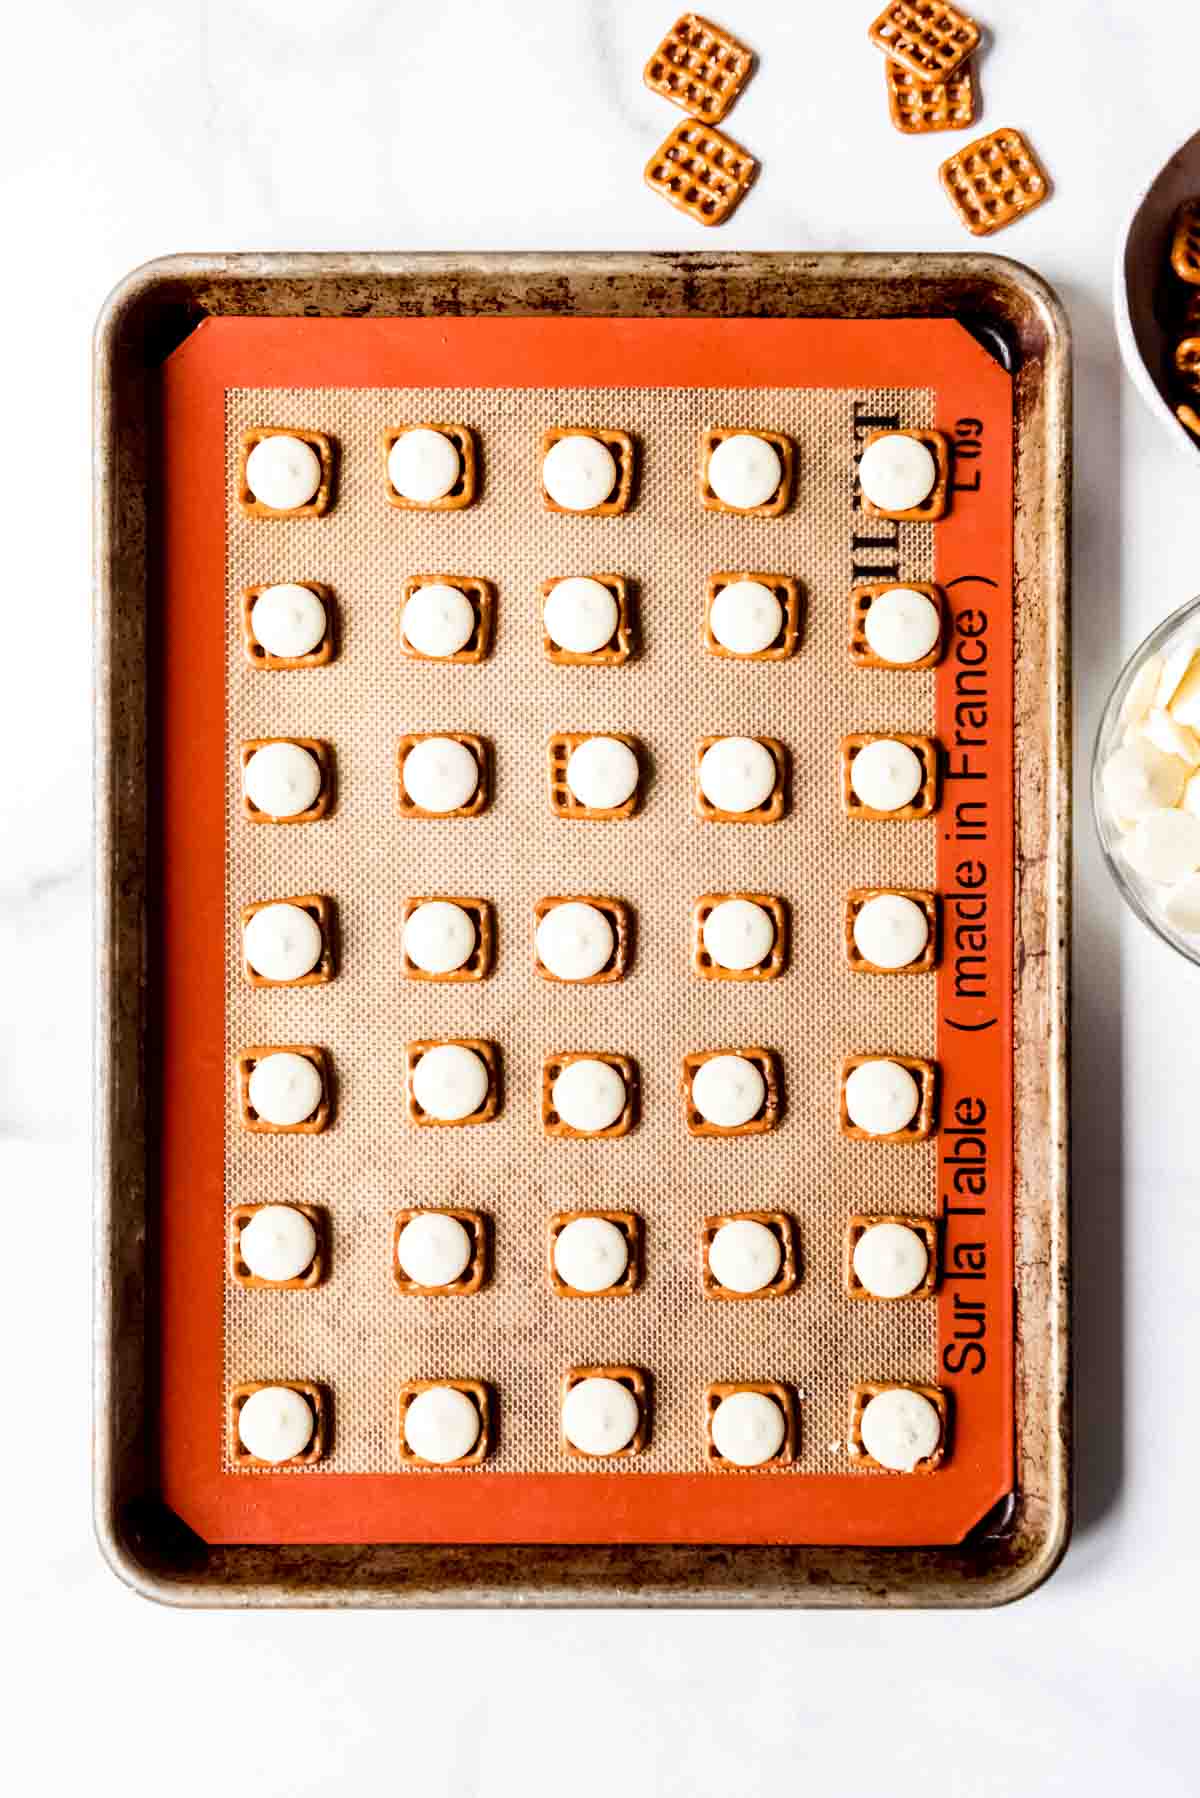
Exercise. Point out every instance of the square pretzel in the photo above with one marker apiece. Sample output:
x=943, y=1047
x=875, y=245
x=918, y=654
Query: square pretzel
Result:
x=258, y=657
x=321, y=806
x=478, y=746
x=304, y=1281
x=474, y=1274
x=862, y=1394
x=318, y=1442
x=553, y=1125
x=993, y=181
x=320, y=910
x=481, y=960
x=776, y=959
x=918, y=106
x=780, y=1225
x=480, y=596
x=1189, y=418
x=920, y=1126
x=786, y=591
x=563, y=802
x=701, y=172
x=925, y=963
x=720, y=1390
x=700, y=68
x=925, y=801
x=321, y=500
x=621, y=920
x=934, y=505
x=772, y=808
x=465, y=489
x=620, y=446
x=629, y=1224
x=1186, y=358
x=768, y=1115
x=924, y=1227
x=246, y=1060
x=861, y=600
x=481, y=1397
x=636, y=1381
x=618, y=649
x=778, y=502
x=487, y=1053
x=1185, y=243
x=927, y=37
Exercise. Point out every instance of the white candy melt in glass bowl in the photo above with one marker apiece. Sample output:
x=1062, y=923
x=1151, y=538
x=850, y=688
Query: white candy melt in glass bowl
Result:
x=1146, y=781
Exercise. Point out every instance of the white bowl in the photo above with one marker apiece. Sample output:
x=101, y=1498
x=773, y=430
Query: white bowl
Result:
x=1141, y=267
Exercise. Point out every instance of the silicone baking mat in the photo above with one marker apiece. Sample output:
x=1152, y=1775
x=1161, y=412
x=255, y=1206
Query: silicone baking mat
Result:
x=825, y=384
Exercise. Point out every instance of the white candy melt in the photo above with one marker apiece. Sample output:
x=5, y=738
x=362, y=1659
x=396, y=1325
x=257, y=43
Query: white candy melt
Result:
x=1174, y=668
x=881, y=1097
x=737, y=774
x=284, y=1088
x=745, y=618
x=602, y=772
x=1138, y=778
x=1164, y=846
x=580, y=615
x=897, y=473
x=579, y=473
x=442, y=1424
x=886, y=775
x=748, y=1428
x=575, y=941
x=440, y=774
x=275, y=1424
x=728, y=1090
x=282, y=780
x=588, y=1096
x=744, y=1256
x=288, y=620
x=439, y=937
x=433, y=1249
x=1142, y=688
x=901, y=626
x=450, y=1082
x=282, y=942
x=590, y=1254
x=278, y=1243
x=599, y=1416
x=1166, y=733
x=438, y=620
x=1185, y=701
x=890, y=1260
x=283, y=472
x=744, y=471
x=423, y=465
x=891, y=931
x=900, y=1428
x=738, y=934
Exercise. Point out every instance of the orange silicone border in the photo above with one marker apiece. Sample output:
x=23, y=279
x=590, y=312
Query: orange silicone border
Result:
x=973, y=559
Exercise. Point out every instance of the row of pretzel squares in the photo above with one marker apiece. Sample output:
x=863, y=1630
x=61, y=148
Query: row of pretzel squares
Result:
x=1180, y=305
x=478, y=1271
x=480, y=962
x=621, y=645
x=636, y=1381
x=760, y=1066
x=617, y=471
x=565, y=803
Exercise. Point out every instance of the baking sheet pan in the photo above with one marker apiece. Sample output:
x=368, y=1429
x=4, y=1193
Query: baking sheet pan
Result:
x=1013, y=315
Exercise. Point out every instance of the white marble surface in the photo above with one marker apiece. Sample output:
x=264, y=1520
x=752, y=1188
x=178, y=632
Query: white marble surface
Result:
x=132, y=129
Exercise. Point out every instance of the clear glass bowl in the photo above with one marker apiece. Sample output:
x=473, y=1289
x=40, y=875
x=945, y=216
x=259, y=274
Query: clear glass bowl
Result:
x=1143, y=896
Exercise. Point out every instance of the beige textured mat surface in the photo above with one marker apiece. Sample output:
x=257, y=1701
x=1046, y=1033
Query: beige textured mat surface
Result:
x=356, y=1333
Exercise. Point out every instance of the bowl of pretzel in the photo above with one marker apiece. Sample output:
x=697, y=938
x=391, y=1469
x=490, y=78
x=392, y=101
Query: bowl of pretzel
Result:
x=1156, y=295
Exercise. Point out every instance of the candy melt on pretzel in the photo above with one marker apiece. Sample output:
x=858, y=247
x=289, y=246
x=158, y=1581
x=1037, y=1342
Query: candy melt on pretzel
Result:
x=275, y=1424
x=886, y=775
x=600, y=1416
x=737, y=774
x=580, y=615
x=440, y=774
x=282, y=942
x=283, y=472
x=738, y=934
x=441, y=1424
x=277, y=1243
x=881, y=1097
x=744, y=1256
x=575, y=941
x=897, y=472
x=450, y=1082
x=900, y=1428
x=439, y=936
x=579, y=472
x=590, y=1254
x=890, y=1260
x=748, y=1428
x=602, y=772
x=901, y=626
x=433, y=1249
x=288, y=620
x=728, y=1091
x=423, y=465
x=439, y=619
x=744, y=471
x=745, y=617
x=284, y=1088
x=282, y=779
x=588, y=1096
x=890, y=931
